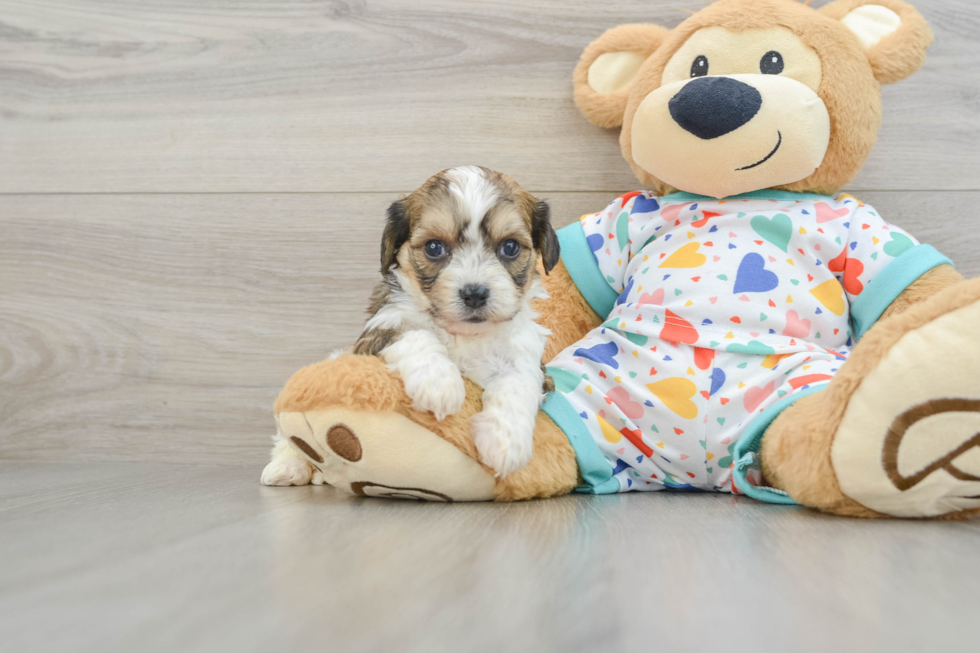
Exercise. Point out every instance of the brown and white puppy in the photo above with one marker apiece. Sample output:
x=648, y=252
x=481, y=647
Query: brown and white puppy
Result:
x=458, y=261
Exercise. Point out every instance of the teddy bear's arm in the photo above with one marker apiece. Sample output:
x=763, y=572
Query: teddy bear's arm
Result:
x=923, y=288
x=566, y=313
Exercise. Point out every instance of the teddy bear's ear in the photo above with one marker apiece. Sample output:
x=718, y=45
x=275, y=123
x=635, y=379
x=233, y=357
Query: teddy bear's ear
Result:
x=893, y=34
x=607, y=67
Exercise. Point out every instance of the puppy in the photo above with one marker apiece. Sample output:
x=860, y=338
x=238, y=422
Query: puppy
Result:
x=458, y=260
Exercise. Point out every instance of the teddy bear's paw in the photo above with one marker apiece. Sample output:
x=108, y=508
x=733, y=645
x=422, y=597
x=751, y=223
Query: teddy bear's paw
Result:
x=502, y=444
x=382, y=454
x=287, y=469
x=909, y=442
x=435, y=386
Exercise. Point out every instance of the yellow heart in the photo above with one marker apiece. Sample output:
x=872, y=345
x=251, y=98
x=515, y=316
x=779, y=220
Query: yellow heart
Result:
x=645, y=258
x=730, y=335
x=789, y=298
x=636, y=354
x=875, y=240
x=588, y=389
x=831, y=294
x=790, y=261
x=802, y=231
x=686, y=257
x=618, y=379
x=659, y=445
x=690, y=234
x=740, y=385
x=676, y=393
x=689, y=303
x=608, y=432
x=690, y=371
x=710, y=455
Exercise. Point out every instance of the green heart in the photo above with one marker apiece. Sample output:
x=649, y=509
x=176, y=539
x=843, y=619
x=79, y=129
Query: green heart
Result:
x=565, y=381
x=653, y=427
x=723, y=277
x=754, y=347
x=677, y=291
x=623, y=230
x=637, y=340
x=721, y=420
x=742, y=366
x=777, y=231
x=632, y=375
x=898, y=245
x=795, y=282
x=763, y=317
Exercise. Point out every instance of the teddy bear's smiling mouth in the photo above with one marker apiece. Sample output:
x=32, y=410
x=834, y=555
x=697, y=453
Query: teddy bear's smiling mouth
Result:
x=768, y=156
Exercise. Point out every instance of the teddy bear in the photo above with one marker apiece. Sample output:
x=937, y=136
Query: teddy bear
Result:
x=739, y=327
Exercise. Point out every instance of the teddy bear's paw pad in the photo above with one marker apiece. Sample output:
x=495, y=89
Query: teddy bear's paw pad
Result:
x=909, y=443
x=286, y=470
x=379, y=454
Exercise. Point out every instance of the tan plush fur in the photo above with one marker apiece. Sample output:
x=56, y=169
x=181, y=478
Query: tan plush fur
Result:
x=607, y=110
x=566, y=313
x=850, y=83
x=796, y=448
x=901, y=54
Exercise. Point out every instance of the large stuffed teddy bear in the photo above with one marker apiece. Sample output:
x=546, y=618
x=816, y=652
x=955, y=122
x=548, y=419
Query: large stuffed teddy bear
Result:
x=742, y=329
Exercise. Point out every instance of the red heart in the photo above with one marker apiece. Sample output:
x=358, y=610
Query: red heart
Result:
x=677, y=329
x=678, y=431
x=636, y=438
x=737, y=320
x=602, y=374
x=703, y=357
x=852, y=269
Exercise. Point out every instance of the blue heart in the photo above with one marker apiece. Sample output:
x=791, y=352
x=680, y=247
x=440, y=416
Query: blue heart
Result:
x=706, y=322
x=639, y=459
x=667, y=237
x=584, y=415
x=717, y=380
x=626, y=291
x=604, y=354
x=648, y=403
x=753, y=276
x=713, y=230
x=730, y=246
x=644, y=205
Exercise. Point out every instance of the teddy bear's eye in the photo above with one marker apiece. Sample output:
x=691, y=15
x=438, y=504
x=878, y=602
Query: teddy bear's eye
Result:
x=772, y=63
x=700, y=66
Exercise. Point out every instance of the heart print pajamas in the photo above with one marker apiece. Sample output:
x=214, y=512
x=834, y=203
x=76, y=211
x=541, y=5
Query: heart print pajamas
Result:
x=718, y=315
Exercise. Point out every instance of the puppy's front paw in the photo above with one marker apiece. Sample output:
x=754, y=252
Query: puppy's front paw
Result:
x=502, y=445
x=286, y=469
x=436, y=386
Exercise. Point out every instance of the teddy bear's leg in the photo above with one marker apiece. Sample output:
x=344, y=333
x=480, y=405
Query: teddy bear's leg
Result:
x=897, y=431
x=350, y=419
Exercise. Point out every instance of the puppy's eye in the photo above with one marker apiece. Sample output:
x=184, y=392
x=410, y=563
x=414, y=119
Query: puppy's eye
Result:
x=434, y=249
x=700, y=66
x=510, y=248
x=772, y=63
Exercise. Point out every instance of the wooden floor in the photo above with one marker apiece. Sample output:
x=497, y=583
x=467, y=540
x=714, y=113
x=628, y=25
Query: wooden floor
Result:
x=191, y=197
x=153, y=557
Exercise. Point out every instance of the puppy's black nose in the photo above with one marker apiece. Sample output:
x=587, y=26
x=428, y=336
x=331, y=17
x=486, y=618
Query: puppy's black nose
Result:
x=474, y=296
x=710, y=107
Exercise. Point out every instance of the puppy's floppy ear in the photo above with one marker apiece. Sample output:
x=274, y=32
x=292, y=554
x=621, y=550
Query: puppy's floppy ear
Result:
x=396, y=234
x=604, y=73
x=892, y=34
x=543, y=235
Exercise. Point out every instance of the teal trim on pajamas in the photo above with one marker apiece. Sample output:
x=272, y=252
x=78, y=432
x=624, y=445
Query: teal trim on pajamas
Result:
x=891, y=282
x=754, y=195
x=593, y=466
x=584, y=270
x=747, y=448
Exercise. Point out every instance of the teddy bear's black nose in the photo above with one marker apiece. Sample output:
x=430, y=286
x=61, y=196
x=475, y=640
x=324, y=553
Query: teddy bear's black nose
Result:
x=710, y=107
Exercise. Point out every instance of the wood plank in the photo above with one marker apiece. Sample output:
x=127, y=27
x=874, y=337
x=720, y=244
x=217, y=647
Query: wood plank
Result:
x=123, y=557
x=161, y=327
x=323, y=95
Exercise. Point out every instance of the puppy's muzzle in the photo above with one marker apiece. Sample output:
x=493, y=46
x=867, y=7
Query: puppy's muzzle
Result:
x=474, y=296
